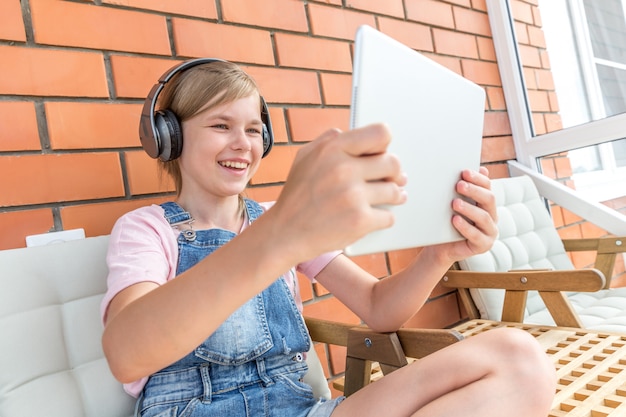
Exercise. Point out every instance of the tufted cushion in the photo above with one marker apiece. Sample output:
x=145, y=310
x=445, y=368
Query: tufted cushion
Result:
x=528, y=240
x=51, y=360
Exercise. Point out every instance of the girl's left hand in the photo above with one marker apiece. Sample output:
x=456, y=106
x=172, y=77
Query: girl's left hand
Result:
x=475, y=222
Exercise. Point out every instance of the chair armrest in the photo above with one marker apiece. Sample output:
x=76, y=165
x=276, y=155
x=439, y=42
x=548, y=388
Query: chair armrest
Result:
x=585, y=280
x=365, y=346
x=606, y=249
x=330, y=332
x=516, y=284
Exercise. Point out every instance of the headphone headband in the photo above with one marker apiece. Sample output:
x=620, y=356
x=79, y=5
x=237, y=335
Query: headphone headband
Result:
x=159, y=131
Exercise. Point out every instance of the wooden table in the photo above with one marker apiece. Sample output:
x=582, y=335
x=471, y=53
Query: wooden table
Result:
x=591, y=367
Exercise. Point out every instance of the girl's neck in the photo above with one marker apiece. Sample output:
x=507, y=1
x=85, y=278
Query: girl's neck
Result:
x=227, y=214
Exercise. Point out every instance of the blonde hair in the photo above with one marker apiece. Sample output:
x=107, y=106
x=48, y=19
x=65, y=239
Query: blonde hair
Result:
x=200, y=88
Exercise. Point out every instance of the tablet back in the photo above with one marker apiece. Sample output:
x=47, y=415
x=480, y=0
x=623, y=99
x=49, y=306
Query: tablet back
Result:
x=436, y=120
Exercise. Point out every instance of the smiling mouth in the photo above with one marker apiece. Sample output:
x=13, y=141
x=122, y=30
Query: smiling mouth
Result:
x=234, y=164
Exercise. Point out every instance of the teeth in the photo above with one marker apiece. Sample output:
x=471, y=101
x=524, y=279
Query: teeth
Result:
x=233, y=164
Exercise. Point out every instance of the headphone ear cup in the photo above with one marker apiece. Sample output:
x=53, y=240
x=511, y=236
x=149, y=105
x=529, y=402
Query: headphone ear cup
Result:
x=170, y=135
x=267, y=141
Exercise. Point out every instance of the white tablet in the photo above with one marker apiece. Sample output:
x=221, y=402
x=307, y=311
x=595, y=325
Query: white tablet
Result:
x=436, y=121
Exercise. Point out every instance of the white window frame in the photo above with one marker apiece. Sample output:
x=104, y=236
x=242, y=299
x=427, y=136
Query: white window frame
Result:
x=529, y=147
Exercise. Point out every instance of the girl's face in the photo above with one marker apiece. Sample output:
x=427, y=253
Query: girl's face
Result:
x=222, y=148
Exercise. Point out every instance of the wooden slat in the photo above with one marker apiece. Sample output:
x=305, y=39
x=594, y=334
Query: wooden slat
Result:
x=561, y=310
x=514, y=306
x=331, y=332
x=587, y=280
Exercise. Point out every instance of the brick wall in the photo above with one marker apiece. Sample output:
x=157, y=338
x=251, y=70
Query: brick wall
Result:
x=73, y=75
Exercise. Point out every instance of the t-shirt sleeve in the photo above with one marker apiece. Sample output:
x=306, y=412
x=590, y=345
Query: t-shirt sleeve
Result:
x=141, y=248
x=314, y=266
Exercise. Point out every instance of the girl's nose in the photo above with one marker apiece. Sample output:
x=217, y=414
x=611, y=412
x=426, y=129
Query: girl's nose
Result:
x=241, y=140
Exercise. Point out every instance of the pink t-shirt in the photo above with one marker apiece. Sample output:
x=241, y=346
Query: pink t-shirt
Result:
x=143, y=247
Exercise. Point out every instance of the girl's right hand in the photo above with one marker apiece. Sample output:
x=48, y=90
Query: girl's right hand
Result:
x=329, y=199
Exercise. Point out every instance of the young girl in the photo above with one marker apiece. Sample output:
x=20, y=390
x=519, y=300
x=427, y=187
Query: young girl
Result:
x=198, y=335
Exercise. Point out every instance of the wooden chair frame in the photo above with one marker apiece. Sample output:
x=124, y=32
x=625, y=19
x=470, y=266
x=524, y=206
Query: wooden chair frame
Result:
x=550, y=284
x=365, y=346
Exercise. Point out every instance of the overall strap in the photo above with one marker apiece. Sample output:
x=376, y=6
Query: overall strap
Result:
x=175, y=214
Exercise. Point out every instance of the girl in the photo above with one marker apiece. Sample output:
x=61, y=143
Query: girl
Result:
x=198, y=335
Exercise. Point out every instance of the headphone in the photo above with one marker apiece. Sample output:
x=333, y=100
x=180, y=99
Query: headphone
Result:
x=160, y=132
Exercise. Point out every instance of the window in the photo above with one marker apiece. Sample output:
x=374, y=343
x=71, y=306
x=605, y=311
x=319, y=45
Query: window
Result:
x=563, y=67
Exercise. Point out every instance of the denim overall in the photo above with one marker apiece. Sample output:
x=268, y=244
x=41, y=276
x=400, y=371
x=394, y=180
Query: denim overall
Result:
x=251, y=366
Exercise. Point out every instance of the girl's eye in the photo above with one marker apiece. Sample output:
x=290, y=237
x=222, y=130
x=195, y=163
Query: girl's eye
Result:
x=220, y=126
x=254, y=131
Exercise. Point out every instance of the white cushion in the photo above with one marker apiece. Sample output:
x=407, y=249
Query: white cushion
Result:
x=50, y=353
x=51, y=359
x=528, y=240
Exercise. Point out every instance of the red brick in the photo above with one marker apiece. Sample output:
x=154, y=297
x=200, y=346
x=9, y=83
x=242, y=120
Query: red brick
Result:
x=287, y=86
x=465, y=3
x=448, y=42
x=479, y=5
x=47, y=72
x=306, y=287
x=306, y=52
x=496, y=124
x=98, y=219
x=307, y=124
x=282, y=14
x=480, y=72
x=553, y=122
x=431, y=12
x=196, y=8
x=563, y=167
x=400, y=259
x=539, y=124
x=277, y=116
x=336, y=89
x=497, y=149
x=522, y=11
x=450, y=62
x=337, y=23
x=337, y=359
x=16, y=225
x=530, y=56
x=544, y=79
x=499, y=170
x=495, y=98
x=536, y=37
x=436, y=314
x=98, y=27
x=134, y=76
x=79, y=125
x=276, y=165
x=195, y=38
x=36, y=179
x=387, y=7
x=539, y=101
x=486, y=50
x=331, y=309
x=12, y=25
x=413, y=35
x=521, y=33
x=144, y=176
x=19, y=126
x=471, y=21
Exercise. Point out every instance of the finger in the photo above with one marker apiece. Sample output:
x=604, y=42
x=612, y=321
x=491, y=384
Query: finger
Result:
x=369, y=140
x=381, y=193
x=382, y=167
x=475, y=216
